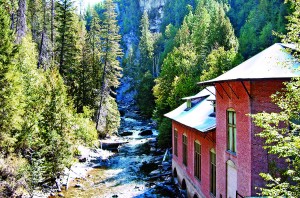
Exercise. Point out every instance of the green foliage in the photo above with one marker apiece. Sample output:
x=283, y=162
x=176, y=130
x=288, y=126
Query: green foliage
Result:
x=165, y=137
x=257, y=32
x=88, y=74
x=202, y=30
x=175, y=11
x=10, y=89
x=67, y=45
x=293, y=26
x=218, y=62
x=51, y=129
x=108, y=117
x=145, y=98
x=129, y=16
x=146, y=44
x=178, y=79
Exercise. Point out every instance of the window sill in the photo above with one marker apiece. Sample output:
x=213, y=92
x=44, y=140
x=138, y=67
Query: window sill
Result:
x=231, y=153
x=199, y=180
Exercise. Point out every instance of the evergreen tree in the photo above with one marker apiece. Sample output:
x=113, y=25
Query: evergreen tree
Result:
x=257, y=32
x=145, y=98
x=218, y=62
x=10, y=89
x=108, y=116
x=21, y=26
x=68, y=51
x=203, y=30
x=91, y=67
x=146, y=44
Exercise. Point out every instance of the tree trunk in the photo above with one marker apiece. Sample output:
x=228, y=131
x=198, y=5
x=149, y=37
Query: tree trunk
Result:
x=52, y=21
x=42, y=44
x=52, y=32
x=21, y=21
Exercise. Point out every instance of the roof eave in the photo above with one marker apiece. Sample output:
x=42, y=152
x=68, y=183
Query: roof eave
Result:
x=213, y=82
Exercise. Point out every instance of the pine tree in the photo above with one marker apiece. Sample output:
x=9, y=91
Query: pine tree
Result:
x=21, y=27
x=146, y=44
x=108, y=117
x=68, y=47
x=91, y=65
x=10, y=90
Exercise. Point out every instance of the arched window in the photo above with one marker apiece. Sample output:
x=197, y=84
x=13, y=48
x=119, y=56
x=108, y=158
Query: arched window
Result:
x=175, y=173
x=175, y=142
x=231, y=130
x=197, y=159
x=183, y=185
x=213, y=172
x=184, y=149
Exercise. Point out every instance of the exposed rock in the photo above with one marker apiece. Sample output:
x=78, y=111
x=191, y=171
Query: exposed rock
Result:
x=153, y=6
x=78, y=185
x=60, y=195
x=125, y=133
x=146, y=132
x=155, y=172
x=148, y=167
x=82, y=159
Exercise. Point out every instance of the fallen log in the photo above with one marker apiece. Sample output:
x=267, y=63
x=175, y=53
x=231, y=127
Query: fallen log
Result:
x=158, y=176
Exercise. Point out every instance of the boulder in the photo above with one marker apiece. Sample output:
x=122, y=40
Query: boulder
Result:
x=146, y=132
x=155, y=172
x=125, y=133
x=78, y=185
x=82, y=159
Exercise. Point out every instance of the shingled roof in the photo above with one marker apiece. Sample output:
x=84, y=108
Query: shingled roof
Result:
x=200, y=116
x=274, y=62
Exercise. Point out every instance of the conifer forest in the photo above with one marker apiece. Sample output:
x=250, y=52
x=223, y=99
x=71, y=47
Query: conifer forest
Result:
x=63, y=64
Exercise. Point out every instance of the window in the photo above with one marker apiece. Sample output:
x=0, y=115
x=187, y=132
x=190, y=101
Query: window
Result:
x=231, y=133
x=197, y=163
x=213, y=172
x=184, y=149
x=175, y=142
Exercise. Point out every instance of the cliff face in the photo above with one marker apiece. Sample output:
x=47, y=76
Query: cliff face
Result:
x=149, y=5
x=155, y=12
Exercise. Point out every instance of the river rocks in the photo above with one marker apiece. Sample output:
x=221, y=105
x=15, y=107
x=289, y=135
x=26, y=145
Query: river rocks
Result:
x=155, y=172
x=146, y=132
x=78, y=185
x=82, y=159
x=152, y=149
x=125, y=133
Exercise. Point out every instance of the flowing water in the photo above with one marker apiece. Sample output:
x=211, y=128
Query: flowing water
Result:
x=135, y=170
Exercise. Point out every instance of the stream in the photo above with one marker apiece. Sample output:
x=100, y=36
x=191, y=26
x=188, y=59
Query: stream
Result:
x=137, y=168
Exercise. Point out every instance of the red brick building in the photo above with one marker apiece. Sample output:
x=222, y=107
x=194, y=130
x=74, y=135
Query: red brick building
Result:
x=231, y=154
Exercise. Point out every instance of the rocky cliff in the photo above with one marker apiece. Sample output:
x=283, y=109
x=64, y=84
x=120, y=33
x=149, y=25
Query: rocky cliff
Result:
x=155, y=11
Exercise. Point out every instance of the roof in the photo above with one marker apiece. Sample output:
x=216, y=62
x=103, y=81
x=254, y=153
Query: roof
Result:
x=198, y=117
x=274, y=62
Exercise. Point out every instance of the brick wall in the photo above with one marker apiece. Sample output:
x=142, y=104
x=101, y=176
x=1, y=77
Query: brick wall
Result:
x=261, y=101
x=250, y=159
x=233, y=95
x=187, y=172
